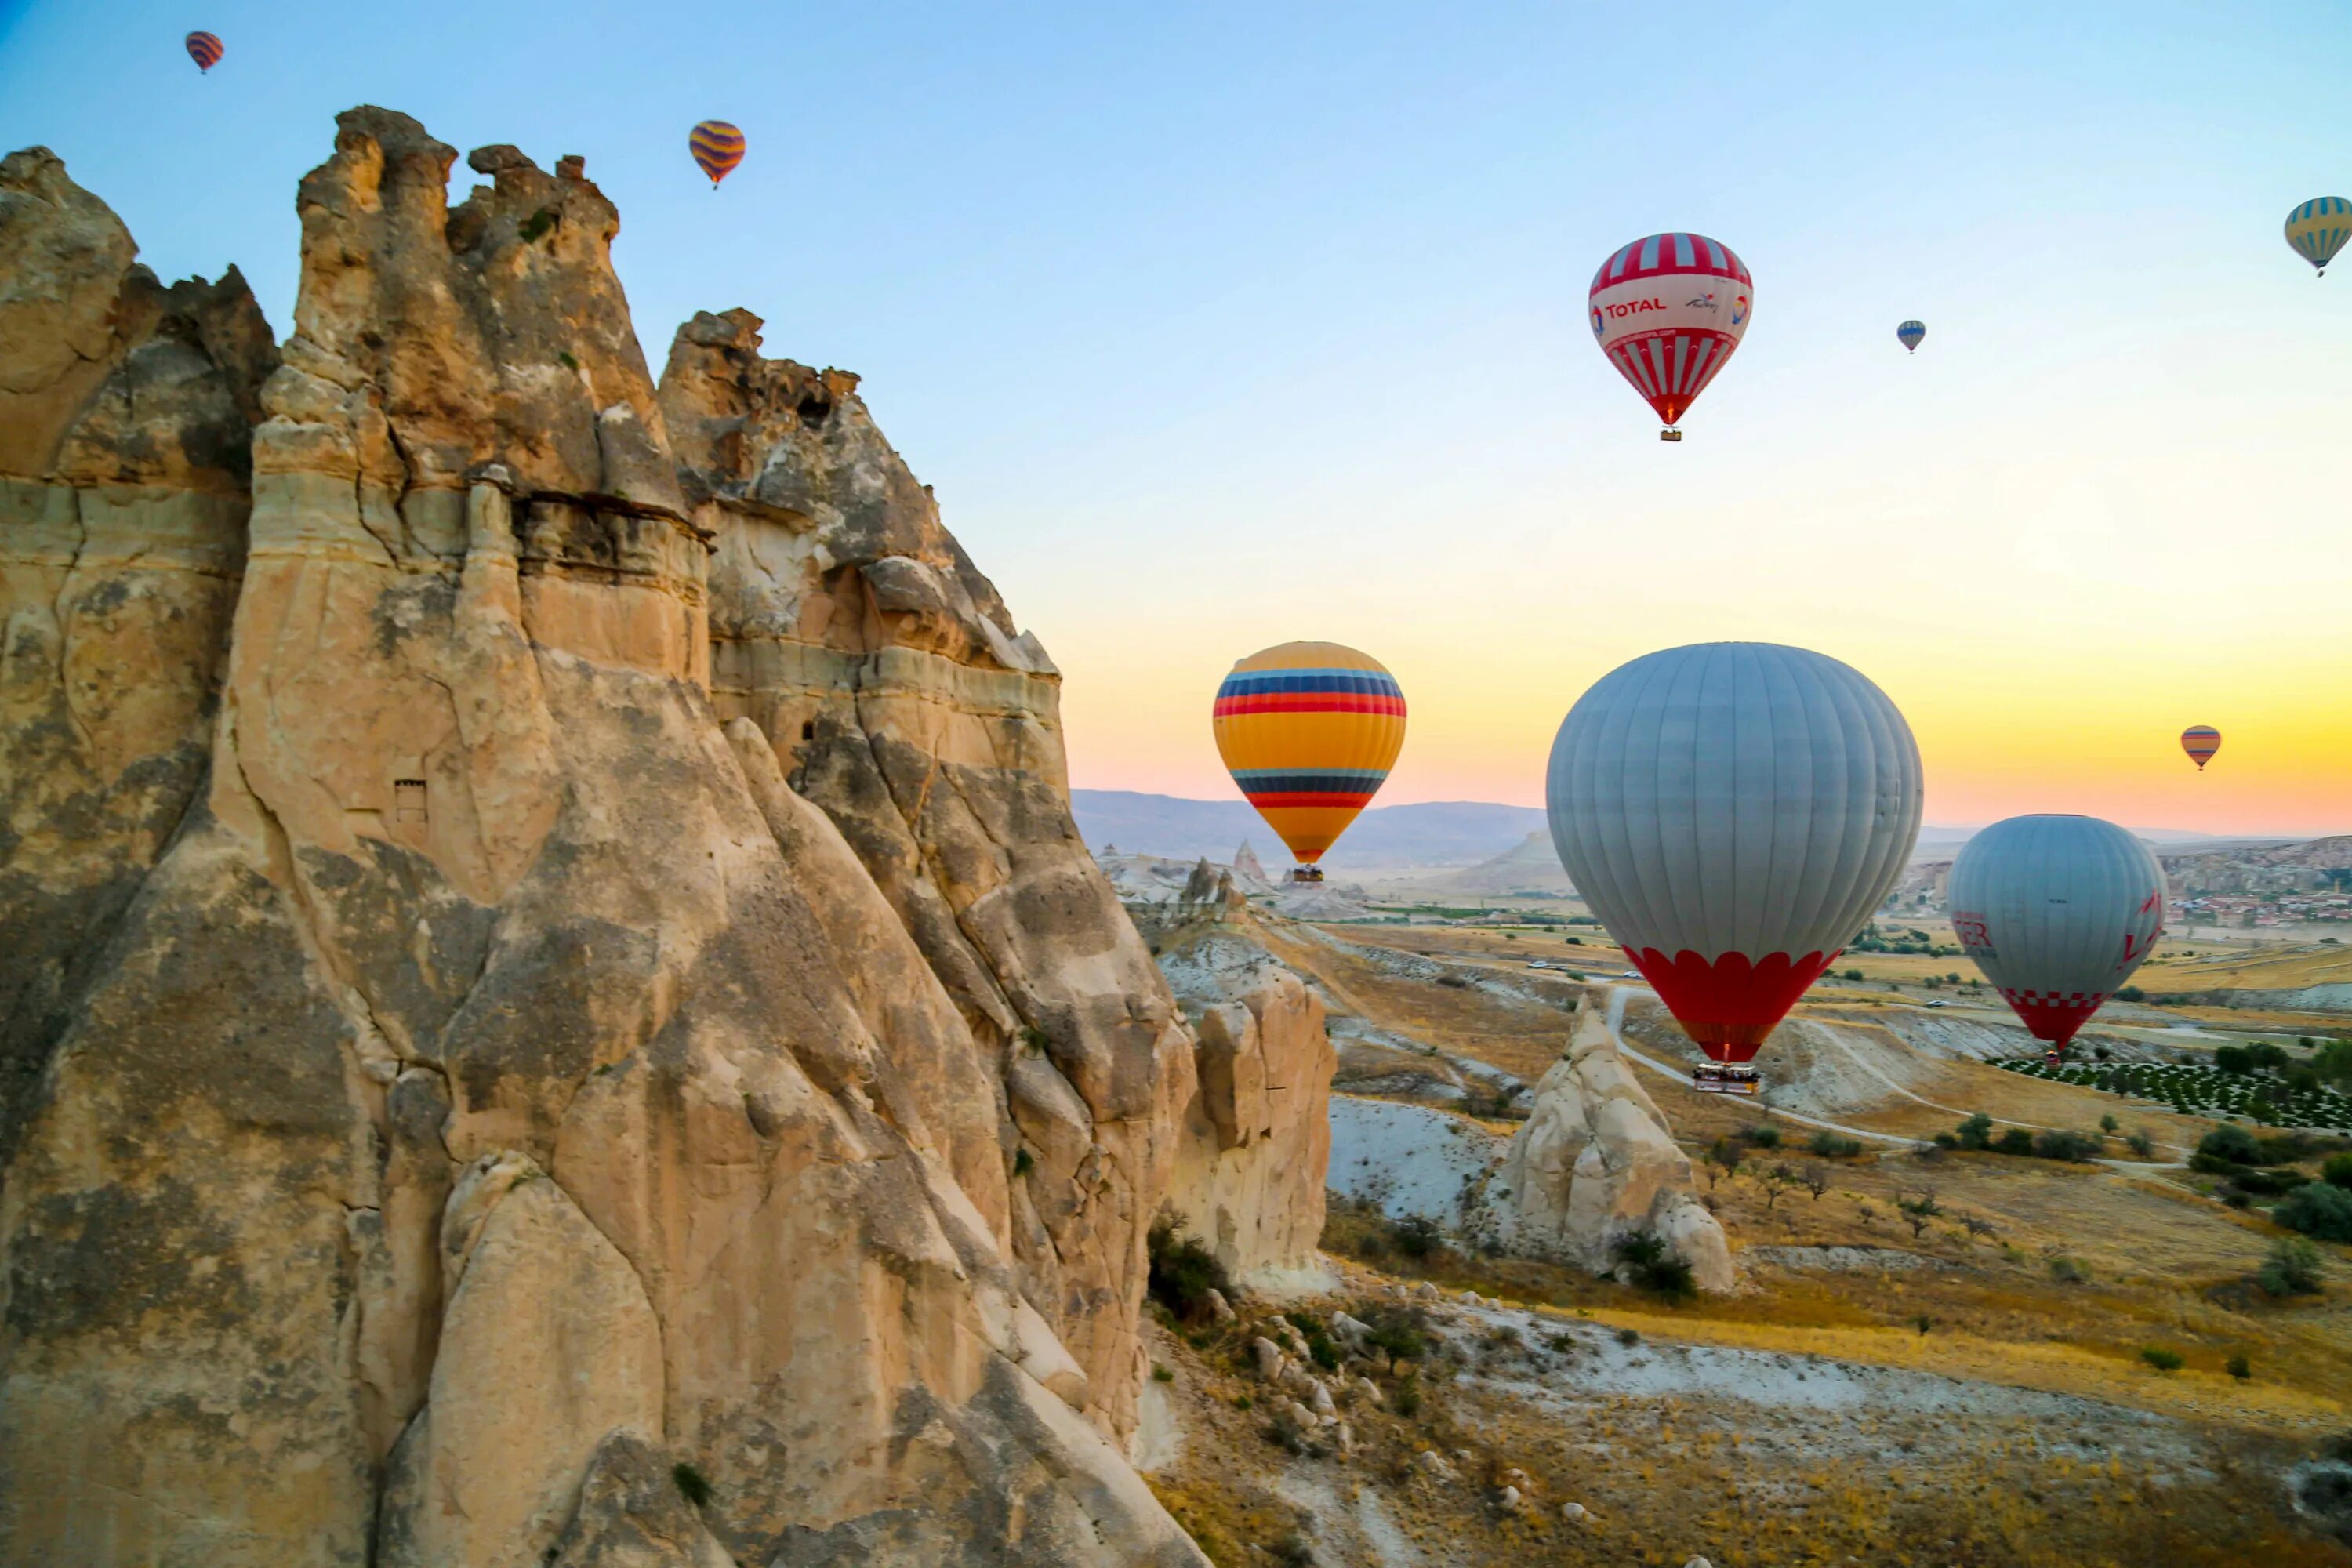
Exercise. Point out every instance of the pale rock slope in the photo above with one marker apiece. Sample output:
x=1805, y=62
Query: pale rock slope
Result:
x=1594, y=1162
x=536, y=953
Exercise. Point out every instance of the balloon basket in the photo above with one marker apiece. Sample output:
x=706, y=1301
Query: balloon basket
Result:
x=1713, y=1079
x=1670, y=434
x=1305, y=875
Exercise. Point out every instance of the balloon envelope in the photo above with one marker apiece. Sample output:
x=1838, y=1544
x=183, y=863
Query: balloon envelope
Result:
x=717, y=146
x=1309, y=730
x=2200, y=741
x=2318, y=228
x=1910, y=335
x=205, y=48
x=2057, y=911
x=1668, y=312
x=1733, y=812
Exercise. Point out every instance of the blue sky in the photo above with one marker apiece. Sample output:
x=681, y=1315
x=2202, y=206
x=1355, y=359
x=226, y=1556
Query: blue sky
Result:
x=1215, y=328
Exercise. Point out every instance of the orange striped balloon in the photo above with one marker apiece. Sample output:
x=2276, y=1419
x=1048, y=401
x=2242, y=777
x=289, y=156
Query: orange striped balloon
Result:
x=2200, y=741
x=204, y=49
x=718, y=147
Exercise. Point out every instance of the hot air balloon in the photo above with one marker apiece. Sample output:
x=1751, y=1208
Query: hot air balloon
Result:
x=1733, y=812
x=1910, y=333
x=2057, y=911
x=2318, y=228
x=718, y=147
x=2200, y=741
x=205, y=48
x=1309, y=730
x=1668, y=312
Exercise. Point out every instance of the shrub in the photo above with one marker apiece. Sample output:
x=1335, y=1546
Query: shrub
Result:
x=1835, y=1146
x=1397, y=1331
x=2293, y=1268
x=691, y=1484
x=2056, y=1144
x=1321, y=1349
x=2143, y=1144
x=1853, y=974
x=1417, y=1235
x=1976, y=1132
x=2233, y=1059
x=2162, y=1359
x=2069, y=1271
x=2270, y=1183
x=1184, y=1272
x=2107, y=1124
x=2318, y=1210
x=1161, y=1374
x=1763, y=1135
x=1629, y=1337
x=1023, y=1162
x=2232, y=1143
x=2014, y=1141
x=1406, y=1400
x=2131, y=994
x=2338, y=1172
x=1653, y=1267
x=2237, y=1366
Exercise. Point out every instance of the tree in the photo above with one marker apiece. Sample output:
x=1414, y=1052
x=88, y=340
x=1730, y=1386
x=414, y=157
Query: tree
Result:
x=2143, y=1144
x=1722, y=1155
x=1817, y=1180
x=1777, y=1180
x=2107, y=1124
x=1976, y=1132
x=1918, y=1209
x=2338, y=1172
x=2233, y=1059
x=2293, y=1268
x=1977, y=1226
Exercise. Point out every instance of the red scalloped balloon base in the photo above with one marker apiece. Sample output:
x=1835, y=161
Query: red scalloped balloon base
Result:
x=1728, y=1006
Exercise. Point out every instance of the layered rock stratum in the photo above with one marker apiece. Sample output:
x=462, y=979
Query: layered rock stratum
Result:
x=555, y=1013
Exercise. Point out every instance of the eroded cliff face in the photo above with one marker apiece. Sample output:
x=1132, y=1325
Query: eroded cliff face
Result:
x=491, y=1065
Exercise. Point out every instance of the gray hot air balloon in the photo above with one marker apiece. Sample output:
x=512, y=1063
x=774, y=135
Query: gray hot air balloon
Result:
x=1733, y=812
x=2057, y=911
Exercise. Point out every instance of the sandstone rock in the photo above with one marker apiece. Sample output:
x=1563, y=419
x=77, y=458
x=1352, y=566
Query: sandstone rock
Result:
x=632, y=1515
x=889, y=680
x=1269, y=1358
x=1595, y=1162
x=1319, y=1401
x=1366, y=1388
x=1219, y=1308
x=474, y=1079
x=126, y=418
x=1250, y=1174
x=1349, y=1332
x=1435, y=1463
x=1424, y=1291
x=1510, y=1500
x=1573, y=1512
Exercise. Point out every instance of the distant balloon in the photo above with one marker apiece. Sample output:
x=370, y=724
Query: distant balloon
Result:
x=1910, y=333
x=1668, y=312
x=2318, y=228
x=2200, y=741
x=1309, y=730
x=2057, y=911
x=1733, y=812
x=204, y=49
x=718, y=147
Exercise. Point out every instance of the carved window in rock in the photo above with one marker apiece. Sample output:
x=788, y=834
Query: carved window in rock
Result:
x=408, y=800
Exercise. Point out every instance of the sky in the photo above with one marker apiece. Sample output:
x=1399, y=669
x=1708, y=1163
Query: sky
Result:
x=1216, y=326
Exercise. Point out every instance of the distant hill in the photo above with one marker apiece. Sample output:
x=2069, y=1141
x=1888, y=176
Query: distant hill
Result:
x=1437, y=833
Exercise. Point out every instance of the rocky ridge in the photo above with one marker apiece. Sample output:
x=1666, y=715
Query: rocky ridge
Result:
x=554, y=1009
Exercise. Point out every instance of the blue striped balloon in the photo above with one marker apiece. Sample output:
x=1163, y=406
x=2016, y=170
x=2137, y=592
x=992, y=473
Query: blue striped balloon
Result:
x=2318, y=228
x=1909, y=333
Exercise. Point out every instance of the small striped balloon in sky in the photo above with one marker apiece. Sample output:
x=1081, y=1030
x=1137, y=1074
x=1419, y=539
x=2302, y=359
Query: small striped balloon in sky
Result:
x=2318, y=228
x=1910, y=333
x=205, y=48
x=2200, y=741
x=1668, y=312
x=718, y=147
x=1309, y=730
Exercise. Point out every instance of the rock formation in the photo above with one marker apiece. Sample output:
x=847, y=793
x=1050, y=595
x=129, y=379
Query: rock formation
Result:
x=1256, y=1153
x=555, y=1012
x=1594, y=1162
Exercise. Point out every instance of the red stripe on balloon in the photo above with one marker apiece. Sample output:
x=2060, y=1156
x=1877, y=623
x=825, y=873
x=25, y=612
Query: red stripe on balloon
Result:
x=1728, y=1006
x=1308, y=798
x=1309, y=702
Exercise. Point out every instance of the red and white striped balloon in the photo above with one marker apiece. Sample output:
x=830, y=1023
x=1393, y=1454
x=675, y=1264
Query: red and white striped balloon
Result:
x=1668, y=312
